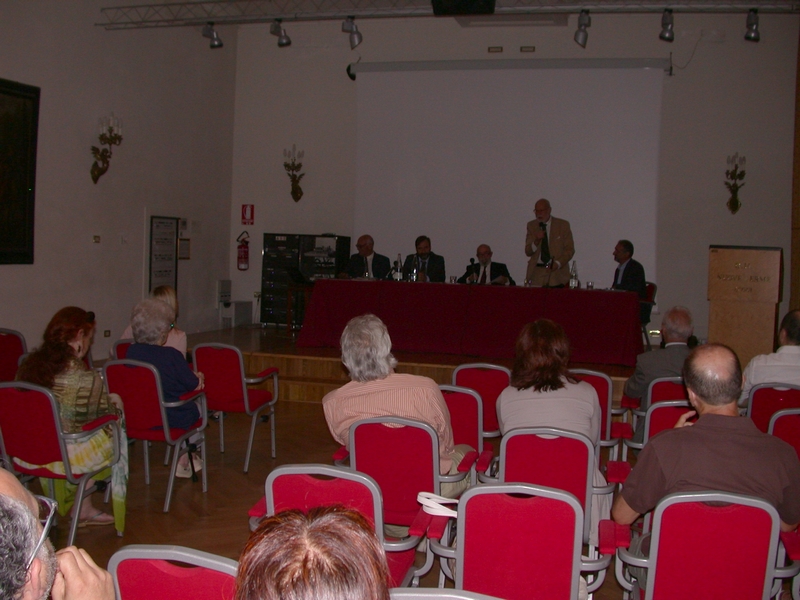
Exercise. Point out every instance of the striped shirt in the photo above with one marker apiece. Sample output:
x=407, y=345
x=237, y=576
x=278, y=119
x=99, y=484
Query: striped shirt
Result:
x=398, y=395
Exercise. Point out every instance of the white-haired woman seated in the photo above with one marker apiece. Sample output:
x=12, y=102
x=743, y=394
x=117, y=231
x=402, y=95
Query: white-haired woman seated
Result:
x=176, y=338
x=151, y=322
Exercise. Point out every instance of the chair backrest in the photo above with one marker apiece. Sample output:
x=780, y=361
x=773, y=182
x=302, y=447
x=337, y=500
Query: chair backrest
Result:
x=223, y=368
x=768, y=398
x=402, y=456
x=435, y=594
x=519, y=542
x=488, y=380
x=666, y=388
x=139, y=385
x=120, y=349
x=731, y=547
x=650, y=289
x=663, y=415
x=604, y=388
x=12, y=346
x=30, y=427
x=148, y=572
x=555, y=458
x=785, y=424
x=466, y=415
x=304, y=487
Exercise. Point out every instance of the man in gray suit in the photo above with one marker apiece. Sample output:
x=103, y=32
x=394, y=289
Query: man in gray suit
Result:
x=676, y=329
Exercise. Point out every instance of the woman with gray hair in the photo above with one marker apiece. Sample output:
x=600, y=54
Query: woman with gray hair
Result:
x=377, y=391
x=151, y=322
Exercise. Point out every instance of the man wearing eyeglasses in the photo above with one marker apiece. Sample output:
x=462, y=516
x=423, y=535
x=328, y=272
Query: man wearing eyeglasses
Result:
x=31, y=568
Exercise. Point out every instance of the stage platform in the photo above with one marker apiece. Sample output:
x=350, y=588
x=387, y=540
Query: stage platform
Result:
x=307, y=374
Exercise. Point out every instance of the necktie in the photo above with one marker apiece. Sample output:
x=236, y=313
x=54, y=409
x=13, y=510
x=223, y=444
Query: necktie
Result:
x=616, y=276
x=483, y=276
x=366, y=267
x=544, y=256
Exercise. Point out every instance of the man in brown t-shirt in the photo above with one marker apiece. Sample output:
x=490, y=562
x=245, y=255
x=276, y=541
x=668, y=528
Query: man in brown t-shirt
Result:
x=721, y=451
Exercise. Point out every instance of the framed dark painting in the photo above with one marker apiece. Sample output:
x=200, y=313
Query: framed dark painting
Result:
x=19, y=123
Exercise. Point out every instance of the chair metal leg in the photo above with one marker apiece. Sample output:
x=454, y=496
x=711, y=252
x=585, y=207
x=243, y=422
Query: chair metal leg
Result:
x=176, y=455
x=253, y=422
x=222, y=431
x=272, y=430
x=166, y=455
x=146, y=449
x=79, y=496
x=204, y=474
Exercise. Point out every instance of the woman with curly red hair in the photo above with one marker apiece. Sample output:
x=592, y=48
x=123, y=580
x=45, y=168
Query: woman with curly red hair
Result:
x=58, y=364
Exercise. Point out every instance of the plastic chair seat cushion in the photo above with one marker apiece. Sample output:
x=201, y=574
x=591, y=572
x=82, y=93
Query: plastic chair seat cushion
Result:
x=621, y=431
x=173, y=581
x=617, y=471
x=399, y=564
x=628, y=402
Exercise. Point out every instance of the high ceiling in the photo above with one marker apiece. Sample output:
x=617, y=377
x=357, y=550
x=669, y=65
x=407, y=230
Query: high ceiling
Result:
x=181, y=14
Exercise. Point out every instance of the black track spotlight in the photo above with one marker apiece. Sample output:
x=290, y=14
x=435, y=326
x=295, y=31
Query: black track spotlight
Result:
x=349, y=26
x=752, y=34
x=210, y=33
x=581, y=35
x=276, y=30
x=667, y=26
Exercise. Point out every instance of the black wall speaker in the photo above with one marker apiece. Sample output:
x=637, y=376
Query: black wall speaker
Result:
x=462, y=7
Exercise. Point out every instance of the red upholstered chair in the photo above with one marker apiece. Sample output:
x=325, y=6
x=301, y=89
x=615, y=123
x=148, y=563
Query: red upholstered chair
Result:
x=518, y=542
x=149, y=572
x=139, y=386
x=31, y=431
x=304, y=487
x=466, y=419
x=768, y=398
x=660, y=416
x=120, y=348
x=708, y=545
x=610, y=432
x=661, y=389
x=785, y=424
x=226, y=389
x=488, y=380
x=12, y=347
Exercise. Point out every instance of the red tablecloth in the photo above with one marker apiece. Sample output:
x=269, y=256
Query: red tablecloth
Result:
x=484, y=321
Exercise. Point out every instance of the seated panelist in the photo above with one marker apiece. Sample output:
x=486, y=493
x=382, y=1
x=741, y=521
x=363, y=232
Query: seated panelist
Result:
x=429, y=266
x=366, y=263
x=485, y=271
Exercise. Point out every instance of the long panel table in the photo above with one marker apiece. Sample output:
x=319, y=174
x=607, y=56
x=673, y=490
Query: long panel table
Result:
x=603, y=326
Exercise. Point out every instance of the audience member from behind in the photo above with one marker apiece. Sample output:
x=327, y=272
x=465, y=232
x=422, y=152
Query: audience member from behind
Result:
x=366, y=262
x=377, y=391
x=782, y=366
x=429, y=266
x=151, y=321
x=82, y=398
x=542, y=393
x=331, y=553
x=176, y=338
x=29, y=571
x=486, y=271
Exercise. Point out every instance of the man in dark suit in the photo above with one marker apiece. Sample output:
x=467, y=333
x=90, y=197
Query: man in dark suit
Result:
x=429, y=266
x=629, y=275
x=365, y=262
x=485, y=271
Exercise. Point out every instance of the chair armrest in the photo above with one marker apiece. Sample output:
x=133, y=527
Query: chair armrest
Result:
x=617, y=471
x=470, y=458
x=259, y=509
x=195, y=395
x=628, y=402
x=426, y=524
x=791, y=542
x=341, y=455
x=596, y=564
x=633, y=445
x=619, y=411
x=262, y=377
x=603, y=490
x=98, y=423
x=440, y=549
x=622, y=430
x=190, y=395
x=612, y=536
x=484, y=460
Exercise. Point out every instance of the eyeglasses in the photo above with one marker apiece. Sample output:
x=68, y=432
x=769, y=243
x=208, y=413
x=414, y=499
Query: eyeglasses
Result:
x=47, y=513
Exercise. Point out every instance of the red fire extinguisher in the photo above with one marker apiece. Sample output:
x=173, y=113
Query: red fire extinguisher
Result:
x=243, y=260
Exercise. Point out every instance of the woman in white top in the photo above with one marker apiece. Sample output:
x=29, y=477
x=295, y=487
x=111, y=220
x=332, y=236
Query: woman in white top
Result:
x=176, y=338
x=542, y=393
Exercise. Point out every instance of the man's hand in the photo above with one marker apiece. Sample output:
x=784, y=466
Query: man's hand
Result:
x=538, y=235
x=79, y=578
x=500, y=280
x=682, y=422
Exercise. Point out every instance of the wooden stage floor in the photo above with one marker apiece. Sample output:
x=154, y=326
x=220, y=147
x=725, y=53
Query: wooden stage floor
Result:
x=307, y=374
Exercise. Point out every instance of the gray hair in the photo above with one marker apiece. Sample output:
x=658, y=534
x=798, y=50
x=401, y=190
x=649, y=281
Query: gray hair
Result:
x=151, y=321
x=19, y=533
x=677, y=324
x=367, y=349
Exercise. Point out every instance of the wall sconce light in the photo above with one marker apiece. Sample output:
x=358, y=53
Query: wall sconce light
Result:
x=752, y=34
x=349, y=26
x=667, y=26
x=211, y=33
x=110, y=135
x=278, y=31
x=581, y=35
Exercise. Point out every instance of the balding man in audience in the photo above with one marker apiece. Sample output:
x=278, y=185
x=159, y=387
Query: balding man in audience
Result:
x=366, y=262
x=721, y=451
x=30, y=570
x=782, y=366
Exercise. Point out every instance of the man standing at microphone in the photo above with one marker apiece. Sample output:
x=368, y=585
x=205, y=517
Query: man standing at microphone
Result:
x=550, y=247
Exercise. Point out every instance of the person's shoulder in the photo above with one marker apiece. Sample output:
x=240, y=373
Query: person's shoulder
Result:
x=409, y=380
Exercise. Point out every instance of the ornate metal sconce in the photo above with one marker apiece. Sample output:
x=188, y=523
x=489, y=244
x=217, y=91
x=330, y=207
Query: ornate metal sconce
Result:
x=734, y=181
x=110, y=135
x=293, y=170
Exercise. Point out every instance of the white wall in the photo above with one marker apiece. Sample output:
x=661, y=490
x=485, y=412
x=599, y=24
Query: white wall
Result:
x=176, y=99
x=732, y=96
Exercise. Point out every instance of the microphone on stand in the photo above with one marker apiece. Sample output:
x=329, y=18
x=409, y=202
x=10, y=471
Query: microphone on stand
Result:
x=472, y=267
